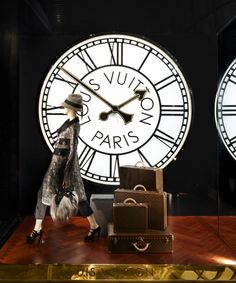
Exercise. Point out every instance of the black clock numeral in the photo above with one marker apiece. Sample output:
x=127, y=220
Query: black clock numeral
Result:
x=172, y=110
x=54, y=135
x=165, y=82
x=232, y=79
x=88, y=61
x=86, y=158
x=114, y=165
x=164, y=138
x=50, y=110
x=228, y=110
x=51, y=136
x=73, y=85
x=143, y=157
x=116, y=49
x=144, y=60
x=232, y=140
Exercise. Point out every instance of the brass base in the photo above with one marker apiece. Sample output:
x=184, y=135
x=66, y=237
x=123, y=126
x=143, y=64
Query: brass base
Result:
x=116, y=272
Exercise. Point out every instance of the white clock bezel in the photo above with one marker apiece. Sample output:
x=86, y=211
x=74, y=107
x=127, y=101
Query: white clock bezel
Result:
x=225, y=109
x=167, y=109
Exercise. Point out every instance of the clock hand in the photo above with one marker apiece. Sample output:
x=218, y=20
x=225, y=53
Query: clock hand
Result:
x=126, y=117
x=139, y=95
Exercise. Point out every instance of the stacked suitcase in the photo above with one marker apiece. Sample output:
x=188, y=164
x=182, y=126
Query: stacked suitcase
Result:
x=140, y=213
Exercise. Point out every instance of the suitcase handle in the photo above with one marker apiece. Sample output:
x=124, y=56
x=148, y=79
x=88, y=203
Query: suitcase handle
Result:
x=129, y=200
x=139, y=186
x=139, y=164
x=141, y=245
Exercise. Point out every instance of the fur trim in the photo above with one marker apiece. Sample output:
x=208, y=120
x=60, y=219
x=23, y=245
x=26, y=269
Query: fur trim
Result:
x=67, y=207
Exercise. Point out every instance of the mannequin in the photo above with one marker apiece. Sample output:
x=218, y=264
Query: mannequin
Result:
x=63, y=173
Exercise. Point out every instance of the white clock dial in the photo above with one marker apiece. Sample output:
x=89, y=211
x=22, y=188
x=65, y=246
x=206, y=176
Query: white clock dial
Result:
x=225, y=109
x=137, y=103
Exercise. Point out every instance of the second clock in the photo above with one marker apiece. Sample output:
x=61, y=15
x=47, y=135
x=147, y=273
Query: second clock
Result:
x=137, y=103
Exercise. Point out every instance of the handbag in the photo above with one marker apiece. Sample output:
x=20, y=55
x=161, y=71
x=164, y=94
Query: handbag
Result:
x=64, y=204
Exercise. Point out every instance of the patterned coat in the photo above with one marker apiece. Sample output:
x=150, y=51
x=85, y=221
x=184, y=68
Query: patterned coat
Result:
x=64, y=166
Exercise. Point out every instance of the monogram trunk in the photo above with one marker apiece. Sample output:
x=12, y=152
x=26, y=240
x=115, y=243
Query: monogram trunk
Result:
x=152, y=241
x=151, y=178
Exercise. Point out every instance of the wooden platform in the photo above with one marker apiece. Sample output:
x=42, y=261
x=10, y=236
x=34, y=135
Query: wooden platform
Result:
x=195, y=242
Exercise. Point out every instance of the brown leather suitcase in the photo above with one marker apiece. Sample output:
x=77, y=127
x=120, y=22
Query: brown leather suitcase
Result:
x=151, y=178
x=157, y=204
x=153, y=241
x=130, y=216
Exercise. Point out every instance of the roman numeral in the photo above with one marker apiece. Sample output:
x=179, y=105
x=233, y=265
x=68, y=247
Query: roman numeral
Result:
x=144, y=60
x=232, y=140
x=143, y=157
x=116, y=49
x=166, y=139
x=88, y=61
x=232, y=79
x=165, y=82
x=173, y=110
x=114, y=166
x=229, y=110
x=51, y=110
x=73, y=85
x=54, y=135
x=86, y=158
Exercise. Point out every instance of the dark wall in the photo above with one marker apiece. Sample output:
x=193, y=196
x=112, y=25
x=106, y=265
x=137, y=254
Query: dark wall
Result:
x=9, y=50
x=46, y=28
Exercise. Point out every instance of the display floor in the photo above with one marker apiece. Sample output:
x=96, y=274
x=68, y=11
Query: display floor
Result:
x=198, y=254
x=196, y=241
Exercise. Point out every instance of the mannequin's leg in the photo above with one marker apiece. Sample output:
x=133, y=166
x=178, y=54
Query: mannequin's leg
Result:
x=95, y=229
x=38, y=225
x=40, y=212
x=86, y=211
x=92, y=221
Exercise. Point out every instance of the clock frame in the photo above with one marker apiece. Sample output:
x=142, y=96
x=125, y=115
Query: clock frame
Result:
x=225, y=109
x=137, y=103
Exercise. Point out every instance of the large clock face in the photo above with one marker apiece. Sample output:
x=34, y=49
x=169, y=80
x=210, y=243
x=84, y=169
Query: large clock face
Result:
x=136, y=101
x=225, y=109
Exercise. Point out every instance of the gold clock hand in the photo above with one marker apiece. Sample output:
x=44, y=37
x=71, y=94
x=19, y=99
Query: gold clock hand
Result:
x=126, y=117
x=139, y=95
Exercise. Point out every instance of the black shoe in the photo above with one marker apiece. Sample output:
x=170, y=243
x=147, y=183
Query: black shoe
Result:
x=35, y=237
x=92, y=233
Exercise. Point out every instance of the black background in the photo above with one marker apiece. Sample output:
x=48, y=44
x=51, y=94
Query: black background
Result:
x=200, y=34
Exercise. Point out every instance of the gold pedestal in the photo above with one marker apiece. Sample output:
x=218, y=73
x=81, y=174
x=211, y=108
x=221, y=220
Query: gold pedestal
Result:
x=116, y=272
